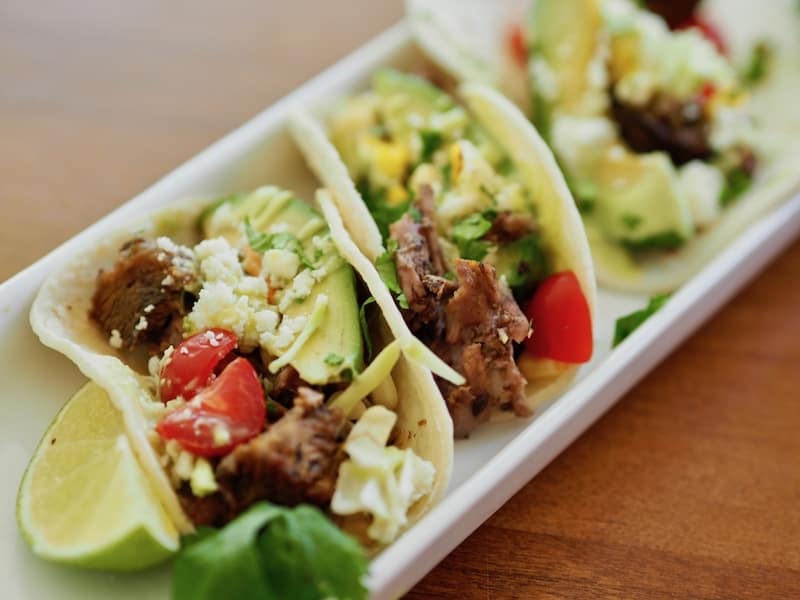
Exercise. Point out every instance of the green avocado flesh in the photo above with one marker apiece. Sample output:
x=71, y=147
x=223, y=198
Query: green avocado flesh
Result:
x=636, y=199
x=339, y=334
x=640, y=202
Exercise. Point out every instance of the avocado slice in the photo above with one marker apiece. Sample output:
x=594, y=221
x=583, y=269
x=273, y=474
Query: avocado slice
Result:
x=334, y=352
x=640, y=201
x=564, y=33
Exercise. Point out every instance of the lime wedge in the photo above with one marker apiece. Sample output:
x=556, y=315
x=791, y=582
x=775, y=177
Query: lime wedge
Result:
x=84, y=500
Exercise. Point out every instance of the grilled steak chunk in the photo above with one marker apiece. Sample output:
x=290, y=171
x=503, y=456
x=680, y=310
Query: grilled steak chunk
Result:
x=141, y=298
x=509, y=227
x=471, y=323
x=678, y=128
x=295, y=460
x=483, y=320
x=420, y=268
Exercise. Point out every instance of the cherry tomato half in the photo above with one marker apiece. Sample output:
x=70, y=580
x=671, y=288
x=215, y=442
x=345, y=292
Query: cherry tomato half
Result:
x=192, y=364
x=517, y=45
x=562, y=323
x=230, y=411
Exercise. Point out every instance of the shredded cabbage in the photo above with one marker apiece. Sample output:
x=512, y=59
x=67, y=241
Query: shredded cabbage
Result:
x=382, y=481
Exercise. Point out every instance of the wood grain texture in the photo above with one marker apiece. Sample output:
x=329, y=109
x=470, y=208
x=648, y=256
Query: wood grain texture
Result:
x=688, y=488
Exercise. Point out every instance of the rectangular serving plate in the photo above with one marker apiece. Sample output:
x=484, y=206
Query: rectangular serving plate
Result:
x=489, y=467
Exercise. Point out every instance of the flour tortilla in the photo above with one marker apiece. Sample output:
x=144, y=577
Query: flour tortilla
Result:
x=468, y=39
x=60, y=317
x=560, y=225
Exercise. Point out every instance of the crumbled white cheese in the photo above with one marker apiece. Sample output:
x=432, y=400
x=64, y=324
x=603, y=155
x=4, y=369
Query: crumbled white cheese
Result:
x=278, y=341
x=115, y=341
x=218, y=261
x=141, y=324
x=299, y=290
x=149, y=308
x=168, y=280
x=703, y=185
x=280, y=266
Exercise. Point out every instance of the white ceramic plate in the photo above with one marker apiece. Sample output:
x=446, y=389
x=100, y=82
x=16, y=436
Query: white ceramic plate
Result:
x=489, y=467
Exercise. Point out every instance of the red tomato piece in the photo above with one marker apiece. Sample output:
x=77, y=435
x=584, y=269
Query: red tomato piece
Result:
x=517, y=45
x=562, y=322
x=191, y=366
x=230, y=411
x=709, y=31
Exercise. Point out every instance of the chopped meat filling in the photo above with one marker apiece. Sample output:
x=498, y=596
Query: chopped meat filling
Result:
x=420, y=269
x=140, y=302
x=295, y=460
x=510, y=227
x=482, y=321
x=471, y=323
x=665, y=124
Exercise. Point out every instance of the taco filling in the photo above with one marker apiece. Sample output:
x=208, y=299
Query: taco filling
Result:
x=464, y=254
x=255, y=365
x=649, y=124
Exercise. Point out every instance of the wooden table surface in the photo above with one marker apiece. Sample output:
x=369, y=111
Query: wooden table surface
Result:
x=688, y=488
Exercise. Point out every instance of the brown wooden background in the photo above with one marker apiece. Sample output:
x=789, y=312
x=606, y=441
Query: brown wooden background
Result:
x=688, y=488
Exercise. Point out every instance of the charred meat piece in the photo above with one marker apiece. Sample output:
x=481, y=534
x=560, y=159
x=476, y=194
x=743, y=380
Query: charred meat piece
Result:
x=510, y=227
x=420, y=268
x=286, y=385
x=295, y=460
x=482, y=321
x=665, y=124
x=211, y=510
x=674, y=12
x=141, y=298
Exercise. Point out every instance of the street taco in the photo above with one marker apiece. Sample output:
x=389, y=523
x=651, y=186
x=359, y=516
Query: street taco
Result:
x=230, y=337
x=467, y=232
x=652, y=127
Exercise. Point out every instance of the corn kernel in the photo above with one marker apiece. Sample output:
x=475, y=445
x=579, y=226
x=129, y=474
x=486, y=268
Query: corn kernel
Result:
x=396, y=195
x=390, y=159
x=456, y=160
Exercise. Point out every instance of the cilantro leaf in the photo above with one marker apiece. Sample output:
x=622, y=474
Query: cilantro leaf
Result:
x=379, y=207
x=523, y=262
x=737, y=182
x=629, y=323
x=387, y=269
x=271, y=552
x=668, y=240
x=758, y=67
x=431, y=141
x=282, y=240
x=362, y=319
x=333, y=359
x=467, y=233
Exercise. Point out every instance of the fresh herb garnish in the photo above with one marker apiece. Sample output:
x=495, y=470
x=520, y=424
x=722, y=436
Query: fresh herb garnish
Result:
x=333, y=359
x=362, y=319
x=630, y=221
x=387, y=269
x=379, y=206
x=271, y=552
x=466, y=235
x=737, y=183
x=629, y=323
x=505, y=166
x=759, y=65
x=416, y=215
x=668, y=240
x=523, y=262
x=431, y=141
x=281, y=240
x=447, y=176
